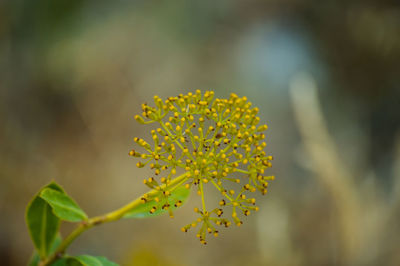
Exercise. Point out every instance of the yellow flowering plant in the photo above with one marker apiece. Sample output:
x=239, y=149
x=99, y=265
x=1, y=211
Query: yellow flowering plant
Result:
x=199, y=143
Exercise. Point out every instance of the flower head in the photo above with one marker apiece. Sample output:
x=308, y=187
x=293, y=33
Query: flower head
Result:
x=218, y=143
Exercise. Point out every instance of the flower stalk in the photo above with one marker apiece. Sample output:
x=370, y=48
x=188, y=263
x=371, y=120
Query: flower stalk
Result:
x=106, y=218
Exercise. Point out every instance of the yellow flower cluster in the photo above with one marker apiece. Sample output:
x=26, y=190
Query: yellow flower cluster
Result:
x=210, y=139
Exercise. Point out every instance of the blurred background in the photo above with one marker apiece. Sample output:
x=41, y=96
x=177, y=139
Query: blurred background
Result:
x=325, y=75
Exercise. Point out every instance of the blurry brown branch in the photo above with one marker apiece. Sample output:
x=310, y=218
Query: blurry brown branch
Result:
x=396, y=173
x=326, y=162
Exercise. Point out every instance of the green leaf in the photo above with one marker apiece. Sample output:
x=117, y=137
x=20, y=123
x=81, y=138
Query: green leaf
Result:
x=82, y=260
x=42, y=223
x=35, y=259
x=66, y=261
x=143, y=210
x=63, y=206
x=87, y=260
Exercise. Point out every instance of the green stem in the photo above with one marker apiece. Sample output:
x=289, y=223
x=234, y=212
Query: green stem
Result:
x=220, y=190
x=202, y=196
x=109, y=217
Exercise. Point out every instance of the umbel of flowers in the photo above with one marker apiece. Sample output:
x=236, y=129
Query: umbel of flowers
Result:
x=216, y=143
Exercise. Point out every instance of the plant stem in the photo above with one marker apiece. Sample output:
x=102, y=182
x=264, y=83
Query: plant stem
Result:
x=108, y=217
x=202, y=196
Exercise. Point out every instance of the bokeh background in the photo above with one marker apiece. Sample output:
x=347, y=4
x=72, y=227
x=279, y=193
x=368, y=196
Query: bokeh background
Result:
x=325, y=75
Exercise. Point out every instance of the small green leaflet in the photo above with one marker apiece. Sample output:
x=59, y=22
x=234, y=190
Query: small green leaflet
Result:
x=63, y=206
x=143, y=210
x=66, y=262
x=83, y=260
x=42, y=223
x=87, y=260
